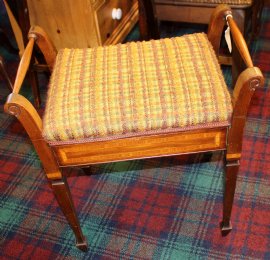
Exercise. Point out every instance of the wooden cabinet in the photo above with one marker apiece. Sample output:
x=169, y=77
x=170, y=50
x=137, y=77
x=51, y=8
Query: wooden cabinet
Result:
x=84, y=23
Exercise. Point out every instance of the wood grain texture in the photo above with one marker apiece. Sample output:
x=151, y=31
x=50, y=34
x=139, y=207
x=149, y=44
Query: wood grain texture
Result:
x=114, y=31
x=23, y=66
x=141, y=147
x=68, y=24
x=84, y=24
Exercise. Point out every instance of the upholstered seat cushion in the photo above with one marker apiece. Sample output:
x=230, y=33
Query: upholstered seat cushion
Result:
x=215, y=2
x=138, y=88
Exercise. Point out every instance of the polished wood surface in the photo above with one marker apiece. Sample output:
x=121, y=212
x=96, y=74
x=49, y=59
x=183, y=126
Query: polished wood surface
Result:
x=232, y=168
x=23, y=66
x=54, y=157
x=20, y=26
x=45, y=45
x=121, y=31
x=62, y=194
x=142, y=147
x=239, y=41
x=18, y=106
x=84, y=24
x=215, y=27
x=248, y=81
x=112, y=31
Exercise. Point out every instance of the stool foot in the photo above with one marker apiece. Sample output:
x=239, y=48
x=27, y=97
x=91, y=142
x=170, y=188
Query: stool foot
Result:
x=225, y=228
x=83, y=246
x=64, y=198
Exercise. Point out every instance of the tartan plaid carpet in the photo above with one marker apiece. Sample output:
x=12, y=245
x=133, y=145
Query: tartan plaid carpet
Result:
x=166, y=208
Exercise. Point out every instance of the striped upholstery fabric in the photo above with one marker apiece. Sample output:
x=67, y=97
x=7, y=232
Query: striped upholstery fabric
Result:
x=135, y=89
x=228, y=2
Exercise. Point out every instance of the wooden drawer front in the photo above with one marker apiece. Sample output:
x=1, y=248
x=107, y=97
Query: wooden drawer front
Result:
x=106, y=25
x=141, y=147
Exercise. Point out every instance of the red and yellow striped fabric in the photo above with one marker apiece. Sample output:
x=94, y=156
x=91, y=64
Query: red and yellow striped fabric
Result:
x=132, y=89
x=228, y=2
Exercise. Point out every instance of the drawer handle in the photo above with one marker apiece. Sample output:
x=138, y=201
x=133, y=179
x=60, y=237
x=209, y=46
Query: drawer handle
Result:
x=116, y=14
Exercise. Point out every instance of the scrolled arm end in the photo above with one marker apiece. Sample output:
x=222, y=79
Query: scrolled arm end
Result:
x=13, y=110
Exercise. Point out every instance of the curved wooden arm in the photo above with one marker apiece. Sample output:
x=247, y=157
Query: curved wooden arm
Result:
x=19, y=106
x=23, y=66
x=45, y=45
x=239, y=41
x=216, y=25
x=247, y=82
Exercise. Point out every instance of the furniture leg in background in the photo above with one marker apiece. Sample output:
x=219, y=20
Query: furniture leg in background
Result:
x=5, y=74
x=245, y=13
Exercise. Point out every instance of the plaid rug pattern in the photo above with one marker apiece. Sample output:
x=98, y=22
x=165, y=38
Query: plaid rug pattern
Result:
x=167, y=208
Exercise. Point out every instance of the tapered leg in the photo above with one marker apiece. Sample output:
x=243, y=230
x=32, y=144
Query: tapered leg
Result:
x=232, y=168
x=63, y=196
